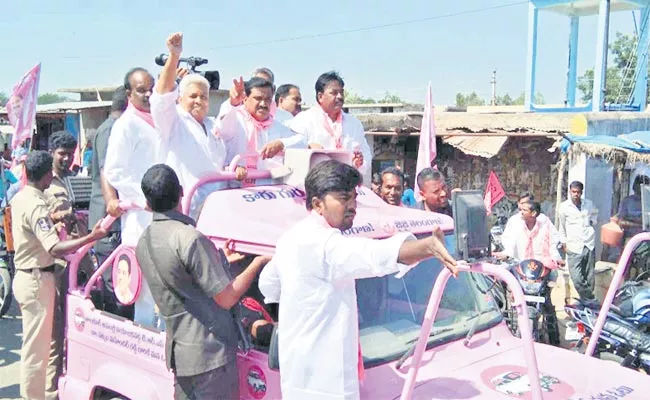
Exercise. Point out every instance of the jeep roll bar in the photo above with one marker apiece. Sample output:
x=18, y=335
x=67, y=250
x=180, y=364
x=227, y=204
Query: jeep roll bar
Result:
x=519, y=305
x=220, y=177
x=623, y=264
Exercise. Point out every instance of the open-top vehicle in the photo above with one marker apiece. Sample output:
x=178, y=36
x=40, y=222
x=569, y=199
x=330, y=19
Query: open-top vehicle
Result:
x=424, y=336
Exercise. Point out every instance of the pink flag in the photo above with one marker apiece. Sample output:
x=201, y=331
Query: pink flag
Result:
x=493, y=192
x=427, y=146
x=21, y=107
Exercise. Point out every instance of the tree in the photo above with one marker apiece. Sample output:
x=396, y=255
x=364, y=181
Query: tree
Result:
x=391, y=98
x=471, y=99
x=521, y=100
x=50, y=98
x=353, y=98
x=505, y=100
x=619, y=81
x=3, y=99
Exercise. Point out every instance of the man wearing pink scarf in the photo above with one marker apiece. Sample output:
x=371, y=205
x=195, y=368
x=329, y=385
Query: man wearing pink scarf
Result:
x=133, y=147
x=255, y=132
x=326, y=125
x=536, y=238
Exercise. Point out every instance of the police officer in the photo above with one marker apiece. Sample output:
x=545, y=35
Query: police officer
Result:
x=37, y=243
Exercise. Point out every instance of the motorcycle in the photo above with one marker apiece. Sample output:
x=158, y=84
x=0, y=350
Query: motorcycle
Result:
x=535, y=280
x=625, y=338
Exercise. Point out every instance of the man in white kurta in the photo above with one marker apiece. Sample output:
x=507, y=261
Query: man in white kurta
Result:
x=194, y=146
x=509, y=232
x=254, y=131
x=312, y=276
x=133, y=147
x=325, y=124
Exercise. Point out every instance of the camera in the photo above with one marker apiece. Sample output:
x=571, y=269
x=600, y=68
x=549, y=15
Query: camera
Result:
x=192, y=63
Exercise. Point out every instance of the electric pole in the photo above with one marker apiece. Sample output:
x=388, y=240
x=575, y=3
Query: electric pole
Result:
x=494, y=87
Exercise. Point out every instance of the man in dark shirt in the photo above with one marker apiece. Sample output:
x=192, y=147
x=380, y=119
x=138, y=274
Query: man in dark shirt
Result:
x=103, y=197
x=434, y=192
x=194, y=292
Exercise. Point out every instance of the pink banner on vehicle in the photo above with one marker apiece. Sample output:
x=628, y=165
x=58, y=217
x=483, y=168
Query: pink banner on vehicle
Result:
x=21, y=107
x=427, y=147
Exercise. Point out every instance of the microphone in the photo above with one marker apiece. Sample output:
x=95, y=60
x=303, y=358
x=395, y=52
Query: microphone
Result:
x=191, y=61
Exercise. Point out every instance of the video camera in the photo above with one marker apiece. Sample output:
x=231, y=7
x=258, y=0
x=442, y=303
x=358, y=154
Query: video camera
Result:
x=192, y=63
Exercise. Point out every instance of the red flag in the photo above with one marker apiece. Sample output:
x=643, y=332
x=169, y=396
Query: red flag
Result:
x=493, y=192
x=427, y=145
x=21, y=107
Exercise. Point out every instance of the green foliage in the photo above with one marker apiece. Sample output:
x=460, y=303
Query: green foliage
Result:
x=619, y=81
x=51, y=98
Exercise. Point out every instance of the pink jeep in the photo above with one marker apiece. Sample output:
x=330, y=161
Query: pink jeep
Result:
x=423, y=336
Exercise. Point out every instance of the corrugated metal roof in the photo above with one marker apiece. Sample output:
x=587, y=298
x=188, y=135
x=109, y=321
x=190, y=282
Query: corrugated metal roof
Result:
x=71, y=105
x=65, y=106
x=92, y=89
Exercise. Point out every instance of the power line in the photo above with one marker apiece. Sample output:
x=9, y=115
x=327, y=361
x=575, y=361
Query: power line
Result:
x=373, y=27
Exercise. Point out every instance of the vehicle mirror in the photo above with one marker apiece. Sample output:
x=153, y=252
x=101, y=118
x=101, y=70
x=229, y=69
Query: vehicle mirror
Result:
x=470, y=224
x=127, y=277
x=645, y=207
x=274, y=360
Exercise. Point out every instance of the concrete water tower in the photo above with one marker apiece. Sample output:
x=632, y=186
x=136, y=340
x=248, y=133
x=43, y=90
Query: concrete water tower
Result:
x=575, y=9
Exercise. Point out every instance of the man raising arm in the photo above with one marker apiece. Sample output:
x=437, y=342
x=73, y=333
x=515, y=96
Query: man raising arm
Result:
x=195, y=147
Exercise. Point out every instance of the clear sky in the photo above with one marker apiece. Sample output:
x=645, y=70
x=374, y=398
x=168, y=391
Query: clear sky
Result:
x=94, y=42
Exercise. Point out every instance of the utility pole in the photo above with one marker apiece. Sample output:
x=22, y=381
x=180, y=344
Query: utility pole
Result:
x=494, y=87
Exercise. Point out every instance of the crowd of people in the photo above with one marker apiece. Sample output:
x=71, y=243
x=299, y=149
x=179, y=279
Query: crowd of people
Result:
x=159, y=140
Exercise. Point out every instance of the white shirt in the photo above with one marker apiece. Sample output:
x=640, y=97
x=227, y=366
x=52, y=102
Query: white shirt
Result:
x=516, y=248
x=133, y=147
x=310, y=123
x=576, y=226
x=283, y=116
x=509, y=234
x=193, y=151
x=233, y=125
x=312, y=276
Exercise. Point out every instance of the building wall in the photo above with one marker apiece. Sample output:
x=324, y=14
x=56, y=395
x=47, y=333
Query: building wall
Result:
x=523, y=165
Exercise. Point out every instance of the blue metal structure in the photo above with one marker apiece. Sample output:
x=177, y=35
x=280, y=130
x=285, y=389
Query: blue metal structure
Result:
x=575, y=9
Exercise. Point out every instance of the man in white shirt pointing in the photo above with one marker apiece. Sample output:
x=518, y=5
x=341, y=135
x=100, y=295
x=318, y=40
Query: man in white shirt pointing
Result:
x=326, y=125
x=312, y=275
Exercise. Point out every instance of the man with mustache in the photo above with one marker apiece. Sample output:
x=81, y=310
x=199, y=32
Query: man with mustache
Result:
x=133, y=147
x=254, y=130
x=326, y=125
x=195, y=148
x=434, y=192
x=289, y=100
x=392, y=186
x=312, y=276
x=236, y=98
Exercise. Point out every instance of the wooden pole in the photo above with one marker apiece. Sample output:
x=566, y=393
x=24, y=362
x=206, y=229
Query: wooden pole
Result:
x=559, y=185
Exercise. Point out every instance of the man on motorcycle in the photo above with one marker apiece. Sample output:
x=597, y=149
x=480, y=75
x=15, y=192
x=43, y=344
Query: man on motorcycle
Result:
x=536, y=238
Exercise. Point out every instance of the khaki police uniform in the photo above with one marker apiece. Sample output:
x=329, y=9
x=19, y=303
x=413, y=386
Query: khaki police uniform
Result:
x=58, y=195
x=34, y=288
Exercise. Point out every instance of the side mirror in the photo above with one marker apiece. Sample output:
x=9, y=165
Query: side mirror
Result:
x=470, y=224
x=274, y=360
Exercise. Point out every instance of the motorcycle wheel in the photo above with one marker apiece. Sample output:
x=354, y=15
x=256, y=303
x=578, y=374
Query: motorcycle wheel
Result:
x=5, y=291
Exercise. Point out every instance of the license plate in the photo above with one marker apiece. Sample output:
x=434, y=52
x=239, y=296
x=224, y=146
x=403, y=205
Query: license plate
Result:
x=572, y=334
x=534, y=299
